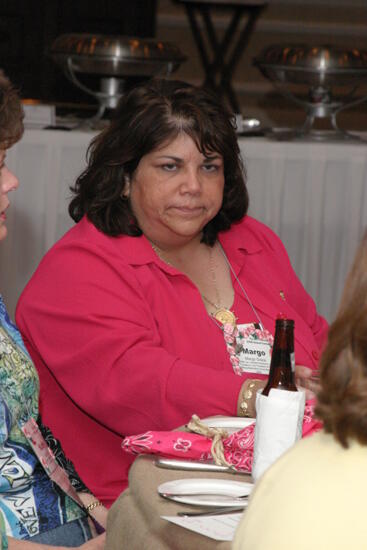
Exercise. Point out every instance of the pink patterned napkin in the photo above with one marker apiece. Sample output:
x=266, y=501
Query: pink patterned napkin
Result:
x=237, y=447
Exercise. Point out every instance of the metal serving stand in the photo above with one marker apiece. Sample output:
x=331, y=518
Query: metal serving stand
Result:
x=331, y=76
x=113, y=59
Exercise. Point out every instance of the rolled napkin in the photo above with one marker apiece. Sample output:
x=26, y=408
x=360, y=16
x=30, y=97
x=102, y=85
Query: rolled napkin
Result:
x=235, y=449
x=279, y=421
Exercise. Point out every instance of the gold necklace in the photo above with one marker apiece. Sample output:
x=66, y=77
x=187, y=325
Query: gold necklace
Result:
x=221, y=314
x=159, y=253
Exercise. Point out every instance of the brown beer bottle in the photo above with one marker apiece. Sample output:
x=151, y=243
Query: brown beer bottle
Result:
x=281, y=373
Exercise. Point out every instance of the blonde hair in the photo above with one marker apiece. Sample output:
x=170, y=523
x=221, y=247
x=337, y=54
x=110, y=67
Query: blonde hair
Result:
x=342, y=400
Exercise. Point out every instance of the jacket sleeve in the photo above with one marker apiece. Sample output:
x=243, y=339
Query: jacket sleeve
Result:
x=86, y=318
x=298, y=297
x=306, y=306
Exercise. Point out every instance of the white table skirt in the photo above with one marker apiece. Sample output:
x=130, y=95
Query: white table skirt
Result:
x=314, y=195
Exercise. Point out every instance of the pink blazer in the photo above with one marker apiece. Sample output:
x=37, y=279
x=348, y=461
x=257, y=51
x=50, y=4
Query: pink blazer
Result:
x=123, y=343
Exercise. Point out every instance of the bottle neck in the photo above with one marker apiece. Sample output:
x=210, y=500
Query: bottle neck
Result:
x=282, y=366
x=284, y=335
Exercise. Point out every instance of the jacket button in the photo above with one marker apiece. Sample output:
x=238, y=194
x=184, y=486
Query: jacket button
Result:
x=315, y=354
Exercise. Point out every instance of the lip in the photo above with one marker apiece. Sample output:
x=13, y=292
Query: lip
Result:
x=188, y=210
x=3, y=212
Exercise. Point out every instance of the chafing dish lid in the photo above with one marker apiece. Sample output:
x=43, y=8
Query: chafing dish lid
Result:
x=320, y=58
x=114, y=47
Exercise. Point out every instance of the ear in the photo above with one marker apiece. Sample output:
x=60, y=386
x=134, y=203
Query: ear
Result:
x=126, y=192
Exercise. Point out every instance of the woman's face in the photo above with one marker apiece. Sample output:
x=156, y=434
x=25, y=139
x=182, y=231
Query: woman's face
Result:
x=8, y=182
x=175, y=191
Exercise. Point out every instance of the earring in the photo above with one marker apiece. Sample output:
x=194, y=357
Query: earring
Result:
x=126, y=191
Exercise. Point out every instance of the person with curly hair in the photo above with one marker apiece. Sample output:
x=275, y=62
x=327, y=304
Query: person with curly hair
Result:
x=35, y=512
x=314, y=495
x=161, y=301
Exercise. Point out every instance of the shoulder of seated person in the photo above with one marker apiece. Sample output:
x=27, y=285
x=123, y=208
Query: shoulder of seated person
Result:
x=254, y=235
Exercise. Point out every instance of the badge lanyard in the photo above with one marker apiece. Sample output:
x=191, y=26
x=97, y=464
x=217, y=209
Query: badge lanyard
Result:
x=249, y=346
x=242, y=288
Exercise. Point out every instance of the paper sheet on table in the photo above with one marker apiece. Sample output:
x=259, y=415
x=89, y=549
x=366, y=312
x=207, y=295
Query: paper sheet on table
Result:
x=220, y=527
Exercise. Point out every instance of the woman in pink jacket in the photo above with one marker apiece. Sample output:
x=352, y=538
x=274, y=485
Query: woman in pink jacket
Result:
x=161, y=301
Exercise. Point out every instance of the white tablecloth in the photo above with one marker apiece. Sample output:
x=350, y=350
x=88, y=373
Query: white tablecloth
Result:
x=314, y=195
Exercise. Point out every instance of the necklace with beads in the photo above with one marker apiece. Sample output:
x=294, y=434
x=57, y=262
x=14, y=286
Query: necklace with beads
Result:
x=221, y=314
x=223, y=317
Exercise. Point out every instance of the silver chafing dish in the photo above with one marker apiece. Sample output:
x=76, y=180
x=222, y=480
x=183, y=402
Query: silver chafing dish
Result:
x=330, y=75
x=113, y=59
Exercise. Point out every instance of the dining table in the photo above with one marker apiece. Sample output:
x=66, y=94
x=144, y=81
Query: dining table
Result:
x=135, y=519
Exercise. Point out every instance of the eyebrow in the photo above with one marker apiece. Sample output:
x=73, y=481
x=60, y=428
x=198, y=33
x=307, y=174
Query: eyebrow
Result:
x=213, y=157
x=178, y=159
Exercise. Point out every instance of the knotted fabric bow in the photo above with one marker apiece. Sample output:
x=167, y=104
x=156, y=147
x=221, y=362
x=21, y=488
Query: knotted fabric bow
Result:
x=216, y=435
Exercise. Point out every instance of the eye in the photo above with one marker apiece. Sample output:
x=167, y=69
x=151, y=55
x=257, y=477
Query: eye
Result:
x=169, y=167
x=211, y=167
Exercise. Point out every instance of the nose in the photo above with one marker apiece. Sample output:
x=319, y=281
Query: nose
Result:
x=191, y=183
x=9, y=181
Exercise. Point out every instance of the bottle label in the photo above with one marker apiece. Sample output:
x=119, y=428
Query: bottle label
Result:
x=253, y=349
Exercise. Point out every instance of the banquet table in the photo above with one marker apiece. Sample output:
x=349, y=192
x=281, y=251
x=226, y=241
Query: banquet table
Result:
x=134, y=520
x=313, y=194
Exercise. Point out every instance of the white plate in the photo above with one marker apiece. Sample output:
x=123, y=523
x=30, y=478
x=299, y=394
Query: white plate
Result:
x=210, y=492
x=229, y=423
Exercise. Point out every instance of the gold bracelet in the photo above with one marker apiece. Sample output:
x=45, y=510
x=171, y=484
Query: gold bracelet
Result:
x=248, y=397
x=245, y=398
x=93, y=505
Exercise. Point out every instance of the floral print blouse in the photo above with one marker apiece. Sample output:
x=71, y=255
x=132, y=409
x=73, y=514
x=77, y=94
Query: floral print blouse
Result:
x=30, y=503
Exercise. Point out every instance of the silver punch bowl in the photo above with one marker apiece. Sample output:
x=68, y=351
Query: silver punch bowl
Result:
x=322, y=79
x=114, y=59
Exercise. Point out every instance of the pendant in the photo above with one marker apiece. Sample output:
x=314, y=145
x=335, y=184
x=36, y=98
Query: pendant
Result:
x=225, y=316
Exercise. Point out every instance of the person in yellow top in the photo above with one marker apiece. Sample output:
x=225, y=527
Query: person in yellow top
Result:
x=314, y=496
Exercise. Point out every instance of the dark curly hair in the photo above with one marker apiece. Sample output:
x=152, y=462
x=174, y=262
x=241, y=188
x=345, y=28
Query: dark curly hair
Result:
x=11, y=114
x=149, y=116
x=342, y=400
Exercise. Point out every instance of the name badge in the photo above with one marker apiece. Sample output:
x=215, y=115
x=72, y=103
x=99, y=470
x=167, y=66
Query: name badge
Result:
x=253, y=349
